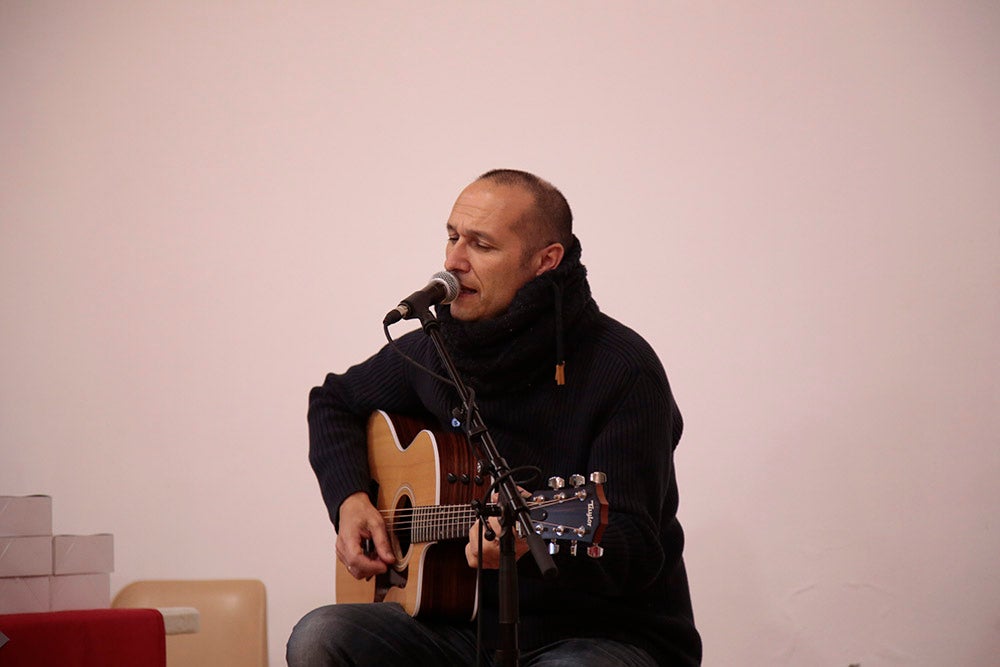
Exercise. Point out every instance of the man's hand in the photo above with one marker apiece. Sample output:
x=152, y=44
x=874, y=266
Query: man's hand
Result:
x=361, y=521
x=491, y=549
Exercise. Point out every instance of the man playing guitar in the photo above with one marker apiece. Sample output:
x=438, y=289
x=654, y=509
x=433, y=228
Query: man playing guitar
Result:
x=563, y=388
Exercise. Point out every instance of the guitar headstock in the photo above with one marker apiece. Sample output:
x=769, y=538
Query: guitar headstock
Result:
x=575, y=513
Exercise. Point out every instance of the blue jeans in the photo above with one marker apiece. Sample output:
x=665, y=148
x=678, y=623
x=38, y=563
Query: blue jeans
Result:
x=385, y=635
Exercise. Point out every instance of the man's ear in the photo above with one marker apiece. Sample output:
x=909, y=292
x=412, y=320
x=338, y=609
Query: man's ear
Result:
x=549, y=257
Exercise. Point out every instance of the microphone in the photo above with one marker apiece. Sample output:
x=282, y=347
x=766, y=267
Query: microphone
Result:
x=443, y=288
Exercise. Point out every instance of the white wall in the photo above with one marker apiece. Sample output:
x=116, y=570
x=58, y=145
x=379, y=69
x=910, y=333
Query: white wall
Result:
x=206, y=206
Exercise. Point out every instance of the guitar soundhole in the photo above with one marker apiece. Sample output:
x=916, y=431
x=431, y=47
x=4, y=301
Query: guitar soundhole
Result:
x=402, y=526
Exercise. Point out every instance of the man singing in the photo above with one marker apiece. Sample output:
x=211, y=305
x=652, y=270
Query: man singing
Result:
x=562, y=387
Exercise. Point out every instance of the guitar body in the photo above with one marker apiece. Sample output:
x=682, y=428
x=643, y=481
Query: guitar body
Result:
x=414, y=467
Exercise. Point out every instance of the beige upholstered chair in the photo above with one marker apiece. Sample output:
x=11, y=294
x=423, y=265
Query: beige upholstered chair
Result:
x=233, y=619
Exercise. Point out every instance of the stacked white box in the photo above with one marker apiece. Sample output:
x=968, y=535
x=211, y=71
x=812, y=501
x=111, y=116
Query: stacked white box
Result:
x=83, y=554
x=81, y=565
x=25, y=556
x=41, y=572
x=25, y=516
x=79, y=591
x=24, y=595
x=25, y=553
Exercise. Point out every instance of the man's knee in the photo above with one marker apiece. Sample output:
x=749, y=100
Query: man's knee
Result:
x=590, y=651
x=338, y=634
x=306, y=645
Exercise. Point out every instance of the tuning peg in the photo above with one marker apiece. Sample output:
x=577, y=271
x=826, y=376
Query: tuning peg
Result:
x=572, y=547
x=553, y=547
x=556, y=482
x=598, y=477
x=595, y=551
x=577, y=481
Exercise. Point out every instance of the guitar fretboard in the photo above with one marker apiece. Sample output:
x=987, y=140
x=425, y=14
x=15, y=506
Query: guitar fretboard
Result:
x=435, y=523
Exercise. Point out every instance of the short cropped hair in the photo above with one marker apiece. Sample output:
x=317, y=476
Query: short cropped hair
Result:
x=553, y=222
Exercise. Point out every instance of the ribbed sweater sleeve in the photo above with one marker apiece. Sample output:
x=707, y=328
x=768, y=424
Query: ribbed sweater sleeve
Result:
x=338, y=414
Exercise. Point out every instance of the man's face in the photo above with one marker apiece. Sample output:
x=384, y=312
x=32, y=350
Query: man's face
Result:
x=488, y=252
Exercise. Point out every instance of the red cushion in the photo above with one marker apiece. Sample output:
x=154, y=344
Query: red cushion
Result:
x=84, y=638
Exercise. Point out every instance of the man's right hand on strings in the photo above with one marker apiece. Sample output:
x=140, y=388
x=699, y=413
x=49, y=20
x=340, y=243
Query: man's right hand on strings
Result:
x=360, y=521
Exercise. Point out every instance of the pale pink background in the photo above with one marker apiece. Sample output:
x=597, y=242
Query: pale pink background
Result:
x=206, y=206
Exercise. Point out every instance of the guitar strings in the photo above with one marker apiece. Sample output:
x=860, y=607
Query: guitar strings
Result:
x=461, y=510
x=431, y=517
x=444, y=525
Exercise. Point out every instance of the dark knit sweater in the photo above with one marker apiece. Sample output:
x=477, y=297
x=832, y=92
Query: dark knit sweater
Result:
x=615, y=414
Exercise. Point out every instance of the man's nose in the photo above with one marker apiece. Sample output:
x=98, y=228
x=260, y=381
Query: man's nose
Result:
x=455, y=258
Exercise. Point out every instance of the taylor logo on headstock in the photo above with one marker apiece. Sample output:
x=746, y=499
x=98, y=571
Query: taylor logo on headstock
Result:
x=557, y=512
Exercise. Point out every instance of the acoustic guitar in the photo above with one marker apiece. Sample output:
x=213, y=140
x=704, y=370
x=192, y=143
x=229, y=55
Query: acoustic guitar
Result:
x=424, y=483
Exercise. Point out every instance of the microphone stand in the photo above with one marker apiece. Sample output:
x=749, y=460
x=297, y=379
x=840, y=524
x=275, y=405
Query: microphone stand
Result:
x=514, y=510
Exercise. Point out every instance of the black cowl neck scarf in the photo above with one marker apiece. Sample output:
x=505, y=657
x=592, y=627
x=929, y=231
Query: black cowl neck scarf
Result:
x=522, y=347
